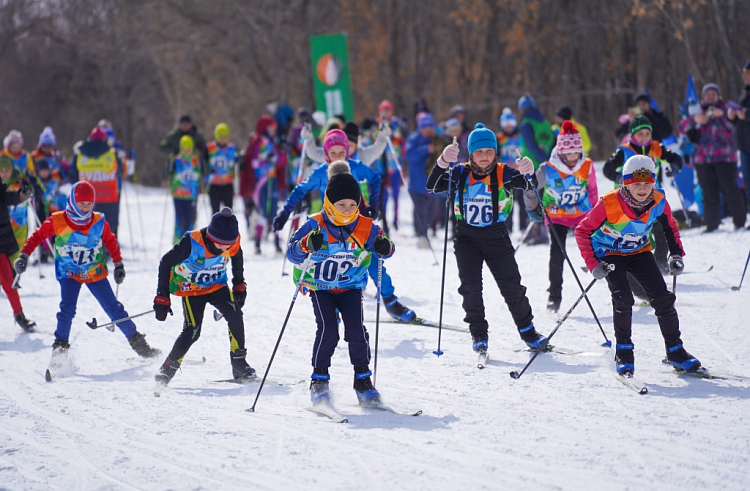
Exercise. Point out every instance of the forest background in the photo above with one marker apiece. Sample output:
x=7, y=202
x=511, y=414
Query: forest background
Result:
x=143, y=63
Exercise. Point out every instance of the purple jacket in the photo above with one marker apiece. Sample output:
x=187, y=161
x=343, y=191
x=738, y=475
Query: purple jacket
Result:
x=714, y=141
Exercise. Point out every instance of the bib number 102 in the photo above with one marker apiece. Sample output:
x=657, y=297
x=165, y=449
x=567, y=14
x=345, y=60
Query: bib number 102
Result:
x=479, y=215
x=329, y=270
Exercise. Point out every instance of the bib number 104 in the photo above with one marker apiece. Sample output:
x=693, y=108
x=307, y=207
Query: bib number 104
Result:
x=479, y=215
x=329, y=270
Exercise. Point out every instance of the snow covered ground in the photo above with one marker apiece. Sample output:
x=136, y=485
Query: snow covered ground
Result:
x=567, y=423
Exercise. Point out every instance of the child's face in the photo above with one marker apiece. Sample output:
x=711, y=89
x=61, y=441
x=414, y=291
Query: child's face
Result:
x=44, y=173
x=14, y=147
x=642, y=136
x=5, y=173
x=346, y=206
x=571, y=158
x=222, y=247
x=186, y=151
x=85, y=206
x=223, y=140
x=640, y=190
x=337, y=152
x=483, y=157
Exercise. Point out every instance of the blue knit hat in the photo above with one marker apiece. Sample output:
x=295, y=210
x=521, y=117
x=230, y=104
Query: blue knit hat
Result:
x=480, y=138
x=47, y=137
x=223, y=228
x=525, y=102
x=507, y=117
x=426, y=120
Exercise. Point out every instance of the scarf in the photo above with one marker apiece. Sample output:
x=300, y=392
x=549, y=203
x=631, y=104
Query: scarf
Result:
x=75, y=215
x=478, y=171
x=630, y=199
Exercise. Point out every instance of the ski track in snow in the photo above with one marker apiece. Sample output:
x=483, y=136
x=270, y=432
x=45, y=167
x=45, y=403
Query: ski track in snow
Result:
x=565, y=424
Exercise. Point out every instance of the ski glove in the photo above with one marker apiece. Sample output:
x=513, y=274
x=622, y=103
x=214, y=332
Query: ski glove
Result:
x=239, y=292
x=372, y=212
x=306, y=132
x=25, y=190
x=385, y=130
x=671, y=170
x=535, y=215
x=383, y=246
x=449, y=155
x=162, y=307
x=279, y=221
x=21, y=263
x=601, y=270
x=119, y=273
x=525, y=166
x=311, y=242
x=676, y=265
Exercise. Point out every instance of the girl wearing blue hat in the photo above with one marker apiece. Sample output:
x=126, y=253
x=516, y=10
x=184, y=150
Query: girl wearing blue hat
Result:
x=481, y=190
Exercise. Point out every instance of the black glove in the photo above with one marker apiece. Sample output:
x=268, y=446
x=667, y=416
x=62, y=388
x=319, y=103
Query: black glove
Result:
x=24, y=191
x=240, y=294
x=676, y=265
x=119, y=273
x=162, y=307
x=383, y=246
x=601, y=270
x=279, y=221
x=372, y=212
x=671, y=170
x=312, y=241
x=21, y=263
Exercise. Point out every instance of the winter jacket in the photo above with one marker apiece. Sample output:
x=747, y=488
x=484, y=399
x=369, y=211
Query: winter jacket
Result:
x=714, y=141
x=170, y=145
x=742, y=127
x=93, y=149
x=8, y=243
x=537, y=140
x=613, y=166
x=661, y=127
x=418, y=156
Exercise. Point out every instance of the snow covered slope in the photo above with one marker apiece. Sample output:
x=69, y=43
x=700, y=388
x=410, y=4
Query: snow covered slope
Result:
x=567, y=423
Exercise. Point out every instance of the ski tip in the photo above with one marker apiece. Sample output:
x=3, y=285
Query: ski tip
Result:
x=48, y=376
x=514, y=375
x=643, y=391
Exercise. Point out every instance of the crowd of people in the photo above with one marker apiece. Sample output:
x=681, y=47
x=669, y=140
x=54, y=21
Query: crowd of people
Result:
x=343, y=175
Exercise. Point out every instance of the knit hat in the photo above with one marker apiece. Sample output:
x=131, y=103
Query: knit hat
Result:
x=81, y=192
x=569, y=139
x=41, y=164
x=641, y=96
x=638, y=168
x=525, y=102
x=334, y=138
x=187, y=142
x=6, y=162
x=508, y=118
x=185, y=118
x=708, y=87
x=222, y=129
x=98, y=134
x=352, y=132
x=341, y=183
x=457, y=109
x=565, y=112
x=13, y=137
x=223, y=228
x=425, y=121
x=480, y=138
x=263, y=123
x=639, y=123
x=104, y=124
x=452, y=123
x=386, y=104
x=47, y=137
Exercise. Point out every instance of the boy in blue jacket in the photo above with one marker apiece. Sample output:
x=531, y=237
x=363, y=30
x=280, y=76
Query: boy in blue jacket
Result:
x=343, y=243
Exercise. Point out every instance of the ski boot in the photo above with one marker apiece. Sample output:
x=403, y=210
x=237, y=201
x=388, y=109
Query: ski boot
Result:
x=367, y=394
x=681, y=359
x=320, y=393
x=624, y=359
x=553, y=303
x=140, y=346
x=398, y=311
x=240, y=368
x=167, y=371
x=25, y=324
x=60, y=347
x=531, y=337
x=480, y=343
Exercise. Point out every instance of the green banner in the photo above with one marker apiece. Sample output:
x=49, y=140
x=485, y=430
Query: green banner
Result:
x=331, y=82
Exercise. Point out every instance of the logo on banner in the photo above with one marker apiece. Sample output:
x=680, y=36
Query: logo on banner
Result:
x=329, y=69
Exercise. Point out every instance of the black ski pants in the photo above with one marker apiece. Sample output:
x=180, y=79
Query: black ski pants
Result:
x=556, y=260
x=643, y=267
x=720, y=178
x=475, y=246
x=193, y=309
x=222, y=193
x=349, y=304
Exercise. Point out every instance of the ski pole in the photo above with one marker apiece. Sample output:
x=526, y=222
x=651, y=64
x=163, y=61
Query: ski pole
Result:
x=682, y=200
x=138, y=207
x=117, y=291
x=278, y=341
x=438, y=352
x=377, y=319
x=130, y=222
x=525, y=234
x=163, y=218
x=674, y=285
x=111, y=325
x=607, y=342
x=16, y=282
x=298, y=206
x=516, y=375
x=419, y=220
x=737, y=288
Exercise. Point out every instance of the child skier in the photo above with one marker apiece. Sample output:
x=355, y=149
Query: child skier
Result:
x=567, y=184
x=79, y=259
x=196, y=270
x=616, y=232
x=336, y=147
x=508, y=145
x=222, y=165
x=343, y=243
x=482, y=199
x=185, y=173
x=8, y=243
